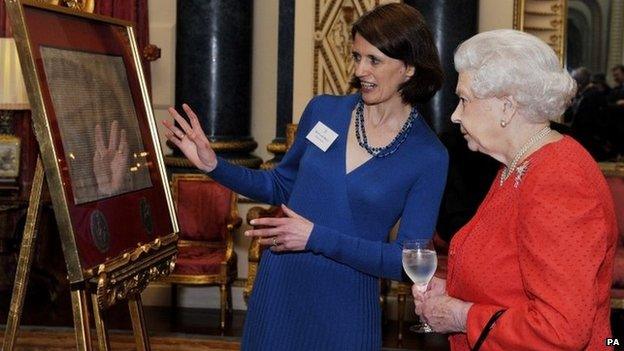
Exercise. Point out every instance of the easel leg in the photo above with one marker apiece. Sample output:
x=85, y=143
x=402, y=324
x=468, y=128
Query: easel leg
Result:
x=138, y=323
x=25, y=260
x=81, y=319
x=100, y=325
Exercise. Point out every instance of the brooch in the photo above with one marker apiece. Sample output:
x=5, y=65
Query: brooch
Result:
x=520, y=171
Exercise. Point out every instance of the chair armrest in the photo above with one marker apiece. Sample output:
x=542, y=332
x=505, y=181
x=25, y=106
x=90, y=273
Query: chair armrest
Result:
x=260, y=212
x=234, y=222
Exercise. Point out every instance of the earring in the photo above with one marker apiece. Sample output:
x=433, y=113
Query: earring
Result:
x=503, y=123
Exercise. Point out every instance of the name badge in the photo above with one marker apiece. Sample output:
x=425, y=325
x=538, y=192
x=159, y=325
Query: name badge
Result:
x=322, y=136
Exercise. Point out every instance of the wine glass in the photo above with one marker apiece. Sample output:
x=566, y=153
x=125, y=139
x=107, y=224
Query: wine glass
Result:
x=420, y=262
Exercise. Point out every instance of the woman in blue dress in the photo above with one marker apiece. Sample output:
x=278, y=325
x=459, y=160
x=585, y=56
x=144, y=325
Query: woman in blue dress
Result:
x=359, y=163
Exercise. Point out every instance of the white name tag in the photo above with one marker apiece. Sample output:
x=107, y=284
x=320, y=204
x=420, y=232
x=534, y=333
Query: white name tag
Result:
x=322, y=136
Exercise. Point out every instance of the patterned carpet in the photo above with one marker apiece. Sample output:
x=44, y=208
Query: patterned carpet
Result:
x=62, y=339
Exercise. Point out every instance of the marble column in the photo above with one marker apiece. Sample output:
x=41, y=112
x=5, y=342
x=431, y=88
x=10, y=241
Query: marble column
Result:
x=285, y=63
x=213, y=74
x=470, y=173
x=451, y=22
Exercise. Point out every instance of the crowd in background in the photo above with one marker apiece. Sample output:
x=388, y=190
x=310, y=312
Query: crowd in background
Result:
x=596, y=115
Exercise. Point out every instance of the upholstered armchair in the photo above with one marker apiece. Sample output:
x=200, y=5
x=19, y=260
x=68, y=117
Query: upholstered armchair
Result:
x=208, y=217
x=617, y=292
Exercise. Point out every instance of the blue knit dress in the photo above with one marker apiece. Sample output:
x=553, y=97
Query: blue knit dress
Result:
x=327, y=297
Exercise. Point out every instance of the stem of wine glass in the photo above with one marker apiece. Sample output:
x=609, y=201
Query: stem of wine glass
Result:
x=422, y=288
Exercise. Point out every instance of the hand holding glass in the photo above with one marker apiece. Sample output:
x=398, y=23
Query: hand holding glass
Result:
x=420, y=262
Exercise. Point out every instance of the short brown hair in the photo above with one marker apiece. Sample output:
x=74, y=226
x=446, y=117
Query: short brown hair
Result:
x=400, y=32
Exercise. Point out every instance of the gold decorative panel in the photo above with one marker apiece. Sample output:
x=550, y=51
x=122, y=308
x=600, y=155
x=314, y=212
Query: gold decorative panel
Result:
x=546, y=19
x=333, y=67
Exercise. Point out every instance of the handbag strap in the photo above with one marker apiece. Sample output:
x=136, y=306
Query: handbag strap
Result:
x=486, y=330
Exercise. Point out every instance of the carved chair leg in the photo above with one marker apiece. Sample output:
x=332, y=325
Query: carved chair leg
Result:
x=229, y=300
x=224, y=298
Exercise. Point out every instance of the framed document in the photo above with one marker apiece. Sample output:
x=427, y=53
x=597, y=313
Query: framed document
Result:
x=97, y=135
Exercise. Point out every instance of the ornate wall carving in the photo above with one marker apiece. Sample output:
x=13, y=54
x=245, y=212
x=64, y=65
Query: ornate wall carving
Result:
x=546, y=19
x=333, y=66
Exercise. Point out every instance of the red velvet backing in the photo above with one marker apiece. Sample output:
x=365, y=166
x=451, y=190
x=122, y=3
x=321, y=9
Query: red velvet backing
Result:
x=203, y=209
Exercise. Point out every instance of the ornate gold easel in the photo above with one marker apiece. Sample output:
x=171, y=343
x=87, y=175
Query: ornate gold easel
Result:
x=105, y=291
x=106, y=281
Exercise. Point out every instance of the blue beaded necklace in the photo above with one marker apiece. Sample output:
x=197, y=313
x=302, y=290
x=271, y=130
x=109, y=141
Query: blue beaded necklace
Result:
x=360, y=133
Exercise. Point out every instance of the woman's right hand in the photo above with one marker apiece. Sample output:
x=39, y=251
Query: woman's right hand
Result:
x=191, y=139
x=436, y=287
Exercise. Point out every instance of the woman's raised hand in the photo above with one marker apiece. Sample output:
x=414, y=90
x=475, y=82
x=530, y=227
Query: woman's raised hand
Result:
x=190, y=139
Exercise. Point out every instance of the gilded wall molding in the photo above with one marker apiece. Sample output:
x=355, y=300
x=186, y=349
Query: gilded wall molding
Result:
x=546, y=19
x=616, y=34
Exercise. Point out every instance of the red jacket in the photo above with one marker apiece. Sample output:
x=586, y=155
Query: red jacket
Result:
x=542, y=247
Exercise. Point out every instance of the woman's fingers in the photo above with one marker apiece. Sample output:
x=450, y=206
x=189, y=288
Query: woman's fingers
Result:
x=270, y=221
x=270, y=241
x=263, y=233
x=186, y=128
x=173, y=138
x=189, y=111
x=175, y=130
x=196, y=125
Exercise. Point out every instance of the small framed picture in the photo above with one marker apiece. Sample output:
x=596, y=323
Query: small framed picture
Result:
x=9, y=156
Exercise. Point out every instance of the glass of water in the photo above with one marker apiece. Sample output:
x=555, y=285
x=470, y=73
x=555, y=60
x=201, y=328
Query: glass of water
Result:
x=420, y=262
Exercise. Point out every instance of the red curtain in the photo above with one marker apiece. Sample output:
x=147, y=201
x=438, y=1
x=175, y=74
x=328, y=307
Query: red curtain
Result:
x=129, y=10
x=133, y=11
x=4, y=23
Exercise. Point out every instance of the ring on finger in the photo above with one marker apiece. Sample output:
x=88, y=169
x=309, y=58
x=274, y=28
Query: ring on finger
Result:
x=274, y=241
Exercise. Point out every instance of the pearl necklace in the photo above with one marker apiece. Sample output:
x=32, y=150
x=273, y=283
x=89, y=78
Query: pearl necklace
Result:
x=514, y=162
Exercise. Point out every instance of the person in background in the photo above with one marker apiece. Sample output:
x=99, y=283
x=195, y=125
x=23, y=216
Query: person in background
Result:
x=590, y=121
x=532, y=270
x=617, y=93
x=599, y=80
x=358, y=164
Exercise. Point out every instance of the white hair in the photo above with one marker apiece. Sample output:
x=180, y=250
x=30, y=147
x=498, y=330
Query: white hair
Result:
x=508, y=62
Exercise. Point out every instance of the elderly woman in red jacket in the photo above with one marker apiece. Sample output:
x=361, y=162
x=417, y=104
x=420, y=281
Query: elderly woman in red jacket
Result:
x=537, y=258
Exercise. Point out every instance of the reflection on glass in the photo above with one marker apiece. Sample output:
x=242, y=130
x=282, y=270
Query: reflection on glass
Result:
x=97, y=122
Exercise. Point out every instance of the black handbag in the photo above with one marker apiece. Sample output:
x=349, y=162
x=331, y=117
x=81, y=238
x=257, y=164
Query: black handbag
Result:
x=486, y=330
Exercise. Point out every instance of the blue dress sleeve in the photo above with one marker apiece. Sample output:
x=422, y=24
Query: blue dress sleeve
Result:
x=272, y=186
x=418, y=220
